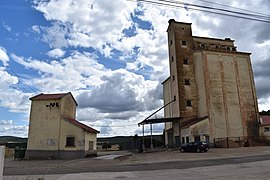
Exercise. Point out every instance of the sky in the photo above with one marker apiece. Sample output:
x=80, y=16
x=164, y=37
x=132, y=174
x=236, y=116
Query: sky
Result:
x=111, y=55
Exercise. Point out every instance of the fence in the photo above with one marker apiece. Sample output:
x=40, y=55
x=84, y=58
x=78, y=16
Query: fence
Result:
x=243, y=141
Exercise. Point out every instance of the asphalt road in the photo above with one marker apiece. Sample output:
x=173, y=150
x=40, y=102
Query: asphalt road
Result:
x=57, y=167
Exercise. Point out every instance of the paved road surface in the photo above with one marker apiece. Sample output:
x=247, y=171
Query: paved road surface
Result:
x=239, y=163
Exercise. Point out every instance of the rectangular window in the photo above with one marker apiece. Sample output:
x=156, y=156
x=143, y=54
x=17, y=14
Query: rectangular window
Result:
x=187, y=82
x=170, y=42
x=266, y=129
x=183, y=140
x=184, y=43
x=70, y=142
x=173, y=78
x=197, y=138
x=186, y=61
x=172, y=59
x=187, y=139
x=189, y=103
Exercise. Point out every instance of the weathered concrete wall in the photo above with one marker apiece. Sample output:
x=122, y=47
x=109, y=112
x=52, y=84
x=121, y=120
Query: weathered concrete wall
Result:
x=2, y=158
x=200, y=129
x=202, y=84
x=44, y=125
x=43, y=154
x=167, y=97
x=229, y=92
x=263, y=132
x=92, y=139
x=67, y=130
x=179, y=71
x=68, y=106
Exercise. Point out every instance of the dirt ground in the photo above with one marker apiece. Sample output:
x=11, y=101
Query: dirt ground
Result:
x=12, y=167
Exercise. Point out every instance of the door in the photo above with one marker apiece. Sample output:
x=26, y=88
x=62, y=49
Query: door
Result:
x=91, y=145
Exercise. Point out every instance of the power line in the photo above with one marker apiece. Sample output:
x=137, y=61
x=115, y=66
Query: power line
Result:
x=225, y=12
x=23, y=82
x=17, y=86
x=210, y=2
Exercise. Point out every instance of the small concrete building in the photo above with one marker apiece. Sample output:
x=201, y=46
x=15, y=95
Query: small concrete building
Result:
x=54, y=132
x=211, y=87
x=264, y=130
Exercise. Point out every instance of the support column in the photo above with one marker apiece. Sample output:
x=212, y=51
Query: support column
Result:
x=151, y=136
x=2, y=158
x=143, y=147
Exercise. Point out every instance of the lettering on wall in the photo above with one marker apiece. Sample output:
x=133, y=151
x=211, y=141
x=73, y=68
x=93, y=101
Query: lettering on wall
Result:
x=52, y=104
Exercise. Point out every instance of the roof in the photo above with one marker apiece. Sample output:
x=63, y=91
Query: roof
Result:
x=184, y=121
x=80, y=125
x=51, y=97
x=265, y=120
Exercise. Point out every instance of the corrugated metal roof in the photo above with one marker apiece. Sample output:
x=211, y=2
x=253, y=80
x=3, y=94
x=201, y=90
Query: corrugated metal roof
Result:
x=51, y=96
x=80, y=125
x=265, y=120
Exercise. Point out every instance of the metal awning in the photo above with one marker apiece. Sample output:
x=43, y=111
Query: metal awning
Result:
x=158, y=120
x=184, y=121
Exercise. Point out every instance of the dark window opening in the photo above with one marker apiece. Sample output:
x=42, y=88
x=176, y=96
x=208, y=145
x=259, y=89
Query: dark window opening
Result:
x=186, y=61
x=187, y=82
x=173, y=78
x=183, y=140
x=174, y=98
x=234, y=49
x=172, y=58
x=187, y=139
x=171, y=42
x=266, y=129
x=189, y=103
x=197, y=138
x=70, y=142
x=184, y=43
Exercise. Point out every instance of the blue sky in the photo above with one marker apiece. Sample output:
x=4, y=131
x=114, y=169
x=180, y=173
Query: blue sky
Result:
x=112, y=56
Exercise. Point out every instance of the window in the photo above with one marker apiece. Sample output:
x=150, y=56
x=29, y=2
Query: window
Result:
x=187, y=82
x=174, y=98
x=173, y=78
x=184, y=43
x=266, y=129
x=70, y=142
x=183, y=140
x=171, y=42
x=197, y=138
x=207, y=139
x=172, y=58
x=187, y=139
x=186, y=61
x=189, y=103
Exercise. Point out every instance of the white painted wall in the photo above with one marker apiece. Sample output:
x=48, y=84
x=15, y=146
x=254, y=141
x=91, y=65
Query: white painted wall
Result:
x=2, y=157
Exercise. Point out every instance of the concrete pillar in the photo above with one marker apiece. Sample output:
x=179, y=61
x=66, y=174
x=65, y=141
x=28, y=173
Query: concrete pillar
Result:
x=2, y=157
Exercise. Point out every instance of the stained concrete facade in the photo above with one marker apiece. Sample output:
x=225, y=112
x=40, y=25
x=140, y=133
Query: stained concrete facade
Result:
x=53, y=130
x=208, y=78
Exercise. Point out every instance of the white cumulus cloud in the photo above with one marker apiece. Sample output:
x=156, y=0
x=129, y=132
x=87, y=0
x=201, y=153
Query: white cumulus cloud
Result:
x=56, y=53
